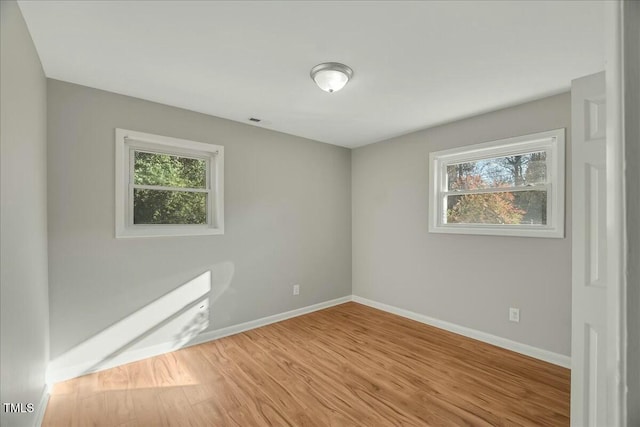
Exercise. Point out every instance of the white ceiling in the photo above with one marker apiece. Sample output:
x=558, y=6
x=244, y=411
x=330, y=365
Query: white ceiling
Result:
x=416, y=64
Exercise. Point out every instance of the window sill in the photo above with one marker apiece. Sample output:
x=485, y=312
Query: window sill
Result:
x=152, y=231
x=510, y=231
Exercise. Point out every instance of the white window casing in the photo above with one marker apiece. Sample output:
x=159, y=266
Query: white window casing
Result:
x=551, y=142
x=126, y=143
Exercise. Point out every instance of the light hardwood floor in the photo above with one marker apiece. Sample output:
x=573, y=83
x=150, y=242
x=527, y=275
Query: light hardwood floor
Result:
x=344, y=366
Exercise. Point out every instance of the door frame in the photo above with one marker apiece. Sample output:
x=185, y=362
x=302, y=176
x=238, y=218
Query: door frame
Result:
x=616, y=226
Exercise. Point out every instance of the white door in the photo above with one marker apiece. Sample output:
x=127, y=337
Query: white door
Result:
x=589, y=275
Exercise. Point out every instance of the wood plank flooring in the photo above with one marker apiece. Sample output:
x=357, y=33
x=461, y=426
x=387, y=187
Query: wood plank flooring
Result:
x=348, y=365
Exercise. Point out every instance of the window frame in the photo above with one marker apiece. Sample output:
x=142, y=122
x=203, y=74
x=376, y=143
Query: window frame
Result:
x=551, y=142
x=127, y=142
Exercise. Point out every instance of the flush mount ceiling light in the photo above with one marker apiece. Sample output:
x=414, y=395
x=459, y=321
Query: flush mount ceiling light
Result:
x=331, y=76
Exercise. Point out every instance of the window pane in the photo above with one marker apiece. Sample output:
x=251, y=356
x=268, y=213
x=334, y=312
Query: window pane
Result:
x=498, y=172
x=520, y=207
x=169, y=207
x=169, y=171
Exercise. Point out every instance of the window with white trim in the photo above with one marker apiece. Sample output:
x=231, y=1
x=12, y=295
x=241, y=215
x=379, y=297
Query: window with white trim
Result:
x=509, y=187
x=167, y=186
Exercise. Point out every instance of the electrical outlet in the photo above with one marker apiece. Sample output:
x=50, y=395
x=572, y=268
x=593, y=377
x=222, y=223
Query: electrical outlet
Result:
x=514, y=315
x=296, y=289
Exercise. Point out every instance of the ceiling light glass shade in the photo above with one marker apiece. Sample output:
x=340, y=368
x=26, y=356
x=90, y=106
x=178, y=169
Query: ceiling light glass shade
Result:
x=331, y=76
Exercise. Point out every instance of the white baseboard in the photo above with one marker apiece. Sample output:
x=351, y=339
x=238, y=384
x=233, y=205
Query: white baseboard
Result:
x=538, y=353
x=242, y=327
x=68, y=372
x=62, y=373
x=42, y=406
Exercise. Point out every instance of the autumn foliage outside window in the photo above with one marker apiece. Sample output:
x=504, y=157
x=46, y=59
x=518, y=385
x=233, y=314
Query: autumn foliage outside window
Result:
x=486, y=208
x=511, y=190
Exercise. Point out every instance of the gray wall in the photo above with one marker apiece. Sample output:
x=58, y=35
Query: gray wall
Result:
x=632, y=158
x=23, y=254
x=287, y=219
x=468, y=280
